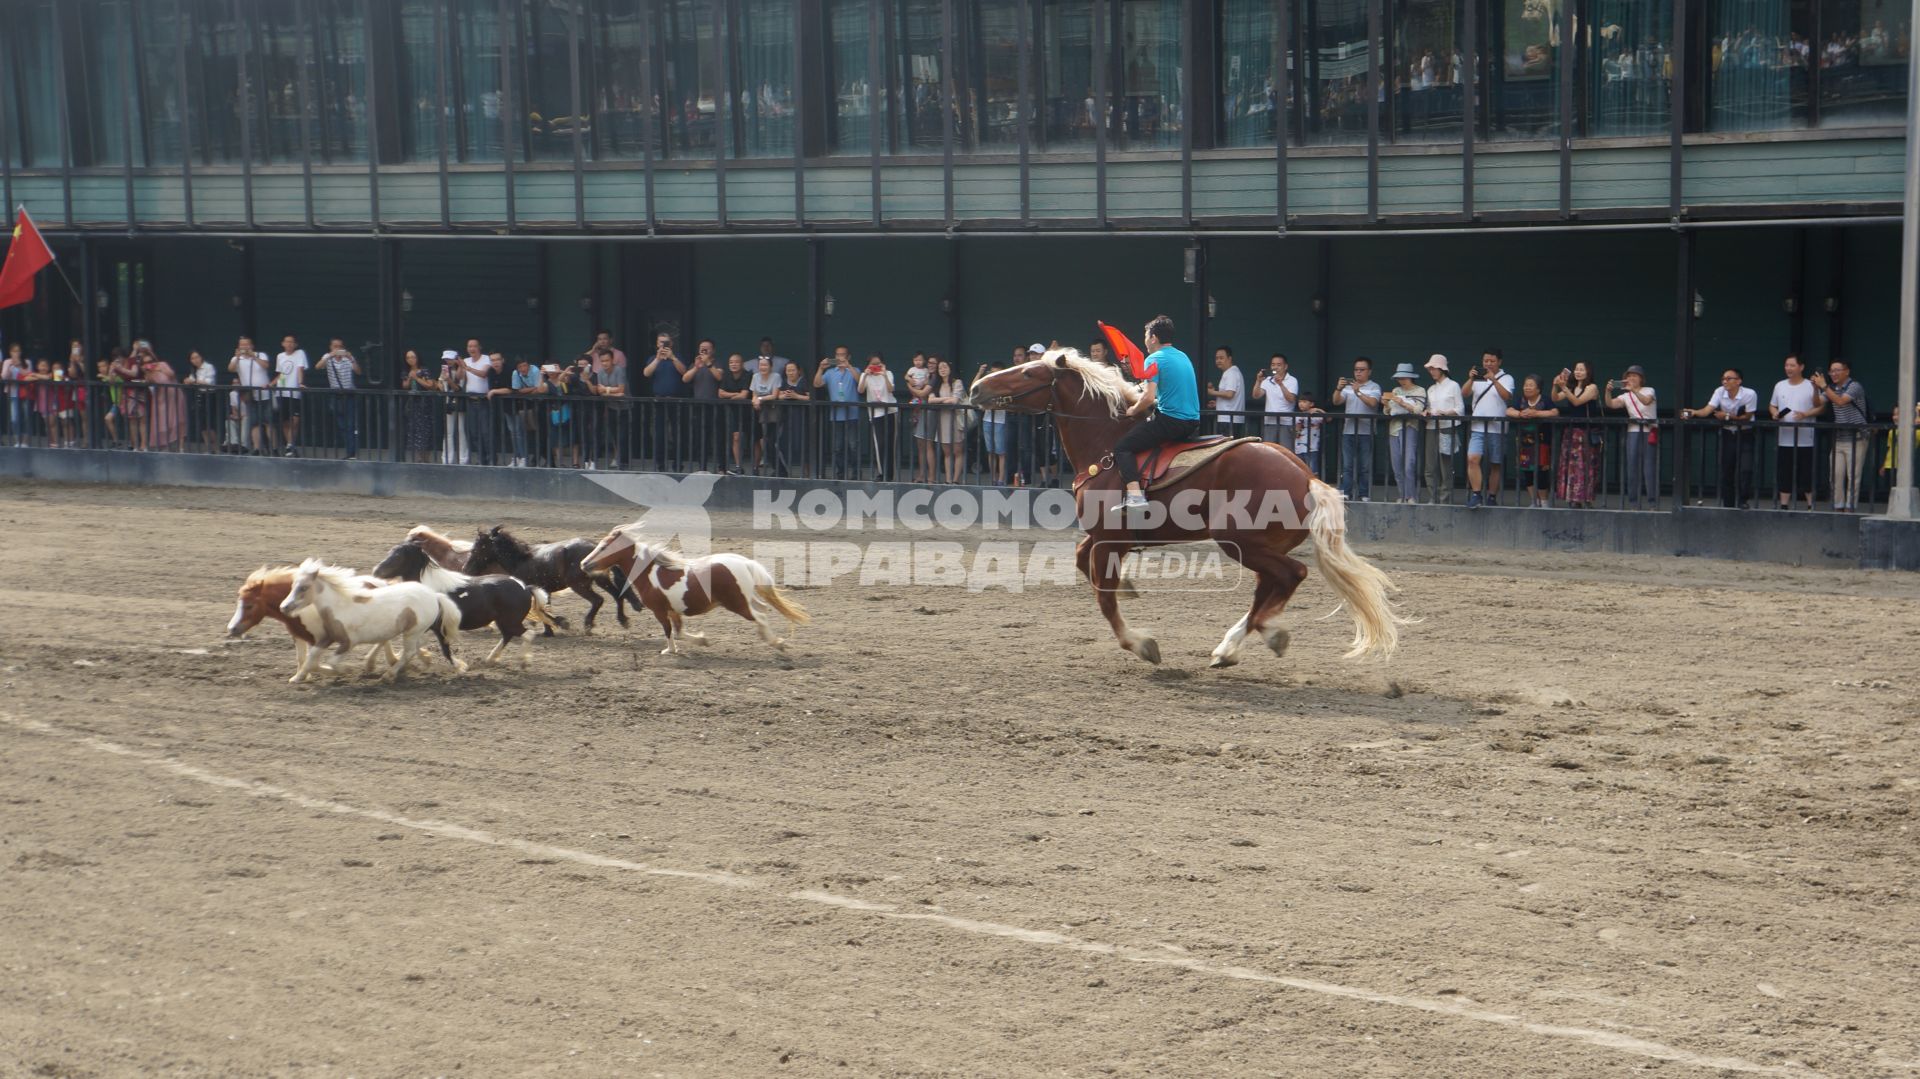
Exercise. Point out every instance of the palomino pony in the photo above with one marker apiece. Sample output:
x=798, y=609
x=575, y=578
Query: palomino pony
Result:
x=494, y=600
x=351, y=615
x=1088, y=401
x=260, y=598
x=676, y=588
x=552, y=566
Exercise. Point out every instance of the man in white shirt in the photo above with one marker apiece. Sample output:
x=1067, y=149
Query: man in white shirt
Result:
x=476, y=369
x=1278, y=392
x=1229, y=398
x=1487, y=393
x=1359, y=398
x=207, y=404
x=1795, y=402
x=1734, y=405
x=455, y=448
x=1443, y=399
x=252, y=369
x=289, y=373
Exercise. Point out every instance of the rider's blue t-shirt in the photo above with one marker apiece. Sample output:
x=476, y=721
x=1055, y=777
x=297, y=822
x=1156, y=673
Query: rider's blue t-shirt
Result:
x=1177, y=389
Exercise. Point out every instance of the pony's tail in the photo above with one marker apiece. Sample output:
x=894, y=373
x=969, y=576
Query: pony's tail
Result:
x=448, y=629
x=1361, y=586
x=778, y=600
x=543, y=614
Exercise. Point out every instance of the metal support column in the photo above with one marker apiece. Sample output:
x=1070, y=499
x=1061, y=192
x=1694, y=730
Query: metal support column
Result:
x=1683, y=290
x=1900, y=502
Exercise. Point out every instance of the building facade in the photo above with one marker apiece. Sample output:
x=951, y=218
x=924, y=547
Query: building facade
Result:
x=1682, y=184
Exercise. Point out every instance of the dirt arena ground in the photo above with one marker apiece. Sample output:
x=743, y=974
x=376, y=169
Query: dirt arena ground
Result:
x=1599, y=816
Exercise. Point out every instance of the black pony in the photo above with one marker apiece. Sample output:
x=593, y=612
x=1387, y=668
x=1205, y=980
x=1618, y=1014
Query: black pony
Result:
x=493, y=600
x=552, y=566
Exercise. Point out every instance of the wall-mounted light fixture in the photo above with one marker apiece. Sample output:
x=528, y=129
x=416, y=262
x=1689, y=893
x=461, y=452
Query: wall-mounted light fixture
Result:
x=533, y=302
x=586, y=303
x=1833, y=304
x=1319, y=305
x=829, y=305
x=100, y=299
x=1791, y=305
x=1213, y=307
x=1699, y=305
x=946, y=305
x=406, y=300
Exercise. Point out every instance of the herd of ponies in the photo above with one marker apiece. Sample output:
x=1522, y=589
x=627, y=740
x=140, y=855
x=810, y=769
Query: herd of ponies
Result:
x=431, y=586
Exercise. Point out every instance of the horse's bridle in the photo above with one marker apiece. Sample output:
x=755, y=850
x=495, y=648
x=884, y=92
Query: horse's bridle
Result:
x=1005, y=399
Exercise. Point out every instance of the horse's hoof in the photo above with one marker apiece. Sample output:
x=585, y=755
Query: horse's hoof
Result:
x=1223, y=661
x=1149, y=650
x=1278, y=640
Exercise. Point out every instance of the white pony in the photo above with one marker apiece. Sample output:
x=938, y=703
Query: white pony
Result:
x=675, y=587
x=350, y=614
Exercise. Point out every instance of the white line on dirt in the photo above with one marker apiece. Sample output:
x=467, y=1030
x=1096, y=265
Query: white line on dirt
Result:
x=1458, y=1009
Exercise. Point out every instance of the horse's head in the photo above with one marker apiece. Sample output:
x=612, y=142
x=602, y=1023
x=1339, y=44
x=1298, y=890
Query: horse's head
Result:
x=305, y=586
x=483, y=556
x=407, y=561
x=1028, y=387
x=616, y=549
x=260, y=598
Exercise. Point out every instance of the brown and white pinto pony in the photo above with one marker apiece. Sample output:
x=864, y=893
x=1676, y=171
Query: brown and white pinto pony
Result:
x=676, y=588
x=1088, y=401
x=260, y=598
x=446, y=552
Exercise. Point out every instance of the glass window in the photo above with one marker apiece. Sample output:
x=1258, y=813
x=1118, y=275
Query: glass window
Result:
x=102, y=119
x=160, y=30
x=31, y=95
x=1067, y=110
x=279, y=43
x=765, y=77
x=220, y=106
x=417, y=84
x=1628, y=69
x=1524, y=39
x=1759, y=60
x=1424, y=84
x=1863, y=61
x=993, y=74
x=1335, y=80
x=691, y=74
x=547, y=82
x=917, y=76
x=339, y=56
x=1249, y=101
x=475, y=79
x=848, y=127
x=617, y=62
x=1147, y=91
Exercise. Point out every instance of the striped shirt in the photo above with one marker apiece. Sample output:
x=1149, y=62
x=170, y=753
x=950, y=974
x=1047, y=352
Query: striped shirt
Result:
x=1855, y=411
x=339, y=367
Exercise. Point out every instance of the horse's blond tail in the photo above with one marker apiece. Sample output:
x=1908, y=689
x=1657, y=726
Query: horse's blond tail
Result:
x=539, y=612
x=778, y=600
x=1361, y=586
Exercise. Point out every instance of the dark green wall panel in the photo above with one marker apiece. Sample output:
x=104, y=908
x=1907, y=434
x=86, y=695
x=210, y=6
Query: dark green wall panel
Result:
x=471, y=289
x=745, y=291
x=315, y=291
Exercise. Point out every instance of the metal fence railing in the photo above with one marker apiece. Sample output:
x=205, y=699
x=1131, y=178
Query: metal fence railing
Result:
x=1613, y=462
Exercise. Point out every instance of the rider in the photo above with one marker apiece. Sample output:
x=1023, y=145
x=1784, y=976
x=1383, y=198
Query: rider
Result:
x=1169, y=398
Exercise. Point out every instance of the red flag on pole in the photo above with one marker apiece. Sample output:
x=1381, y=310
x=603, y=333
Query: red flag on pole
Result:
x=1123, y=347
x=26, y=256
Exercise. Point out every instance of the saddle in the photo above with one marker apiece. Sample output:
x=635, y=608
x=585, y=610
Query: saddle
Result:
x=1168, y=464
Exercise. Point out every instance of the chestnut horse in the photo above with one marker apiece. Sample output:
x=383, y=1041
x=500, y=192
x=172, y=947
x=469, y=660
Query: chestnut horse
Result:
x=260, y=597
x=676, y=588
x=1284, y=504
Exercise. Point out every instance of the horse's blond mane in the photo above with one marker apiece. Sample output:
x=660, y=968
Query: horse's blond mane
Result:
x=265, y=574
x=339, y=578
x=1101, y=381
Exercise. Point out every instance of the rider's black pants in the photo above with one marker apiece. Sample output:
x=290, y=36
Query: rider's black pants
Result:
x=1158, y=429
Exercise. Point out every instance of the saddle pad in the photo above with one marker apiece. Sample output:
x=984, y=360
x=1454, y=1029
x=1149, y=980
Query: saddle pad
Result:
x=1191, y=458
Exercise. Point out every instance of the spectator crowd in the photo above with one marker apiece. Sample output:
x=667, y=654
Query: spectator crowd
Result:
x=1538, y=440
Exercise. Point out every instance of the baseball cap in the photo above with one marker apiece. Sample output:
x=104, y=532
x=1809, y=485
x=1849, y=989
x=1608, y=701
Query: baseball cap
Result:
x=1037, y=349
x=1636, y=369
x=449, y=355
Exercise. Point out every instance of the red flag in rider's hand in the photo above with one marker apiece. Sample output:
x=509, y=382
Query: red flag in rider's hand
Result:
x=1128, y=351
x=26, y=256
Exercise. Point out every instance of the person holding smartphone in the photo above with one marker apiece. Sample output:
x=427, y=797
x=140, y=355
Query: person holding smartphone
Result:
x=1734, y=405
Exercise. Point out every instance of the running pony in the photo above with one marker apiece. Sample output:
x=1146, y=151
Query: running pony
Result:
x=351, y=615
x=447, y=552
x=676, y=588
x=495, y=600
x=552, y=566
x=1088, y=401
x=260, y=597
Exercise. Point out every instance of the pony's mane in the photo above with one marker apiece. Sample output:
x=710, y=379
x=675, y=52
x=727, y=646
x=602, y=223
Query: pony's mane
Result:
x=646, y=553
x=339, y=578
x=509, y=542
x=1101, y=381
x=267, y=574
x=441, y=579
